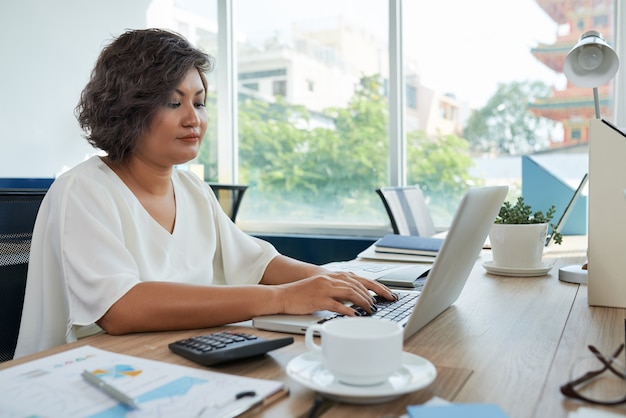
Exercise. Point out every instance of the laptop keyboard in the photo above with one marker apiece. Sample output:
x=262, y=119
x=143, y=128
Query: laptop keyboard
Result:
x=393, y=310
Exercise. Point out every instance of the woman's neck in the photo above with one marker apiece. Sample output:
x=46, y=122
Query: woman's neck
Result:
x=142, y=178
x=153, y=188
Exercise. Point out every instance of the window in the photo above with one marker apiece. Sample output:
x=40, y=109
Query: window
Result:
x=600, y=21
x=251, y=86
x=262, y=74
x=314, y=151
x=488, y=109
x=279, y=88
x=314, y=79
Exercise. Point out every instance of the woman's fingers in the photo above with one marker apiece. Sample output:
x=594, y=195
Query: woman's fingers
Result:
x=374, y=286
x=335, y=291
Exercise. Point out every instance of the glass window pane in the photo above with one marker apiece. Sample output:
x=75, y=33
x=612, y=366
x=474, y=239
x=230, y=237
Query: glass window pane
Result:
x=491, y=88
x=312, y=110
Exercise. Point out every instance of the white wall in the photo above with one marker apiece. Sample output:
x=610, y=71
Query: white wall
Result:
x=48, y=51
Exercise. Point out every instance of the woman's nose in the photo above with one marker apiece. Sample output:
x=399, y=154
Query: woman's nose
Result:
x=191, y=118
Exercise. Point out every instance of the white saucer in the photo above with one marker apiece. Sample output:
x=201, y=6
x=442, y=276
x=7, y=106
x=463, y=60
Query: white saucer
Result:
x=518, y=271
x=415, y=373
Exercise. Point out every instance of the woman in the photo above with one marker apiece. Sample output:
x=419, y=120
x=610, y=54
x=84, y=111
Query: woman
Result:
x=131, y=244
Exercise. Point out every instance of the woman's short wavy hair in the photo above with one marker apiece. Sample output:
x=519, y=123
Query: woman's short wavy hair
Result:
x=134, y=76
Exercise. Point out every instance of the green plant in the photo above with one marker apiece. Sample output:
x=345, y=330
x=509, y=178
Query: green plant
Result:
x=522, y=213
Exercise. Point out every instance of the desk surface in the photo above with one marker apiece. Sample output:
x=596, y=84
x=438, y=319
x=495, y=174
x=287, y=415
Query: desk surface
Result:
x=506, y=340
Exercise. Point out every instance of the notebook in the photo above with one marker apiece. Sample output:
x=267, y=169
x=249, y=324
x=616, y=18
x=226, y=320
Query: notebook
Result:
x=408, y=244
x=446, y=278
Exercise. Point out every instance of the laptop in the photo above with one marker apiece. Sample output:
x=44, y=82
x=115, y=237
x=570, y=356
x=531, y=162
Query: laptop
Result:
x=445, y=280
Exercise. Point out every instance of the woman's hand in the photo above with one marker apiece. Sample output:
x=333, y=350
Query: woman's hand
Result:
x=331, y=291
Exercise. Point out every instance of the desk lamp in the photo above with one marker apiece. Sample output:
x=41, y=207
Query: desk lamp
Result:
x=590, y=63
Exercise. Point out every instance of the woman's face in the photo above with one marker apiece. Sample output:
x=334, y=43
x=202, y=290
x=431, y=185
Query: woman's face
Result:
x=176, y=132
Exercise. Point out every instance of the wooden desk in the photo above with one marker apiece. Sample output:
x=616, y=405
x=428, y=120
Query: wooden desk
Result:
x=507, y=340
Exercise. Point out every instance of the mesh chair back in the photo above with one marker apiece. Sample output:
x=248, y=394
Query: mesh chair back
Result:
x=407, y=210
x=18, y=210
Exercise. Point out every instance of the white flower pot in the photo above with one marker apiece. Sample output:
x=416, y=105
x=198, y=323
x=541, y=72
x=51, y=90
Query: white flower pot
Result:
x=518, y=246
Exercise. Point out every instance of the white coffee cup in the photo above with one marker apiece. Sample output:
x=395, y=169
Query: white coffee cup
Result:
x=358, y=351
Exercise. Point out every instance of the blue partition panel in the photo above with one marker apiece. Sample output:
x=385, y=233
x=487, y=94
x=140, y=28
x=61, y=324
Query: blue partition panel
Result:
x=25, y=183
x=541, y=189
x=318, y=249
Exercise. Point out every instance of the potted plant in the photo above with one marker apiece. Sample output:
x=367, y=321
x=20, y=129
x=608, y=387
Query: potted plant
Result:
x=518, y=235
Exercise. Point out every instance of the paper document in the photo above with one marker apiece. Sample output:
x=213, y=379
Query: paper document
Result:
x=53, y=387
x=395, y=275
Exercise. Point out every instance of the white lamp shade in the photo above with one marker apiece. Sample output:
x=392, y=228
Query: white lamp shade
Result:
x=592, y=62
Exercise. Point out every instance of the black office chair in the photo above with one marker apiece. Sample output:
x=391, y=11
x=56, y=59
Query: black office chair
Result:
x=18, y=210
x=407, y=210
x=229, y=196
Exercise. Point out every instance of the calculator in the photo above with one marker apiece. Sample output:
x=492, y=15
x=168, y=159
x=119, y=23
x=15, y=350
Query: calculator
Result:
x=220, y=347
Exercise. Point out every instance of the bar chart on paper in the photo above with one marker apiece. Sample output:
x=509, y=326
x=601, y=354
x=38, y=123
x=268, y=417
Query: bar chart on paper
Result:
x=53, y=387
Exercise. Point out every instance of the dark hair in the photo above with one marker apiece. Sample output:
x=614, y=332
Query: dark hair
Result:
x=134, y=75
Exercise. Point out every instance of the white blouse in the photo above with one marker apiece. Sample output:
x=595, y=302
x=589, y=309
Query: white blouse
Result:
x=93, y=241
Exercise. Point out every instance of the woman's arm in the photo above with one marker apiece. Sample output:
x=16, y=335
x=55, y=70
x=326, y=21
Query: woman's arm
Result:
x=163, y=306
x=288, y=286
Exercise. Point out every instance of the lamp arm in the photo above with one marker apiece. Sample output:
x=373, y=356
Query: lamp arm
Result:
x=596, y=102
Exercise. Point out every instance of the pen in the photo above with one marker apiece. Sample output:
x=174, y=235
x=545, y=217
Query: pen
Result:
x=245, y=393
x=228, y=402
x=109, y=390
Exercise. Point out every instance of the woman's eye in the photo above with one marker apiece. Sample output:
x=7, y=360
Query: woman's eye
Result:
x=201, y=104
x=174, y=105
